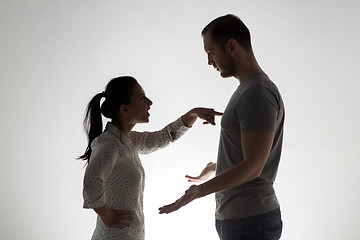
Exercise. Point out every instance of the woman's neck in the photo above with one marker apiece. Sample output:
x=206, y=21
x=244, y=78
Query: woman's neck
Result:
x=125, y=127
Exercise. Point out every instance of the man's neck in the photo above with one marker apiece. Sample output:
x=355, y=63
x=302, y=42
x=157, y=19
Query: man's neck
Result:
x=247, y=68
x=242, y=77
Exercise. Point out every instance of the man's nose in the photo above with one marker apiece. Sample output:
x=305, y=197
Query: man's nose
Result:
x=149, y=102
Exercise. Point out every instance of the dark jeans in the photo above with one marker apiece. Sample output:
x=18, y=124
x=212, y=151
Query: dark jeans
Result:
x=264, y=226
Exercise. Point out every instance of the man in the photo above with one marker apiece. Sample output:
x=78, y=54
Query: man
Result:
x=250, y=140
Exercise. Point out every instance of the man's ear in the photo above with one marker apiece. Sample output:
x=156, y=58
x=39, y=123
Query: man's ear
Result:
x=232, y=46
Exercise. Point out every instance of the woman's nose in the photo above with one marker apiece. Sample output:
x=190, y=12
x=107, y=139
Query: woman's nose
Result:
x=210, y=61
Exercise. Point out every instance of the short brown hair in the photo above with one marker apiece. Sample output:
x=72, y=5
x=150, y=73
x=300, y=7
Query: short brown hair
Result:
x=228, y=26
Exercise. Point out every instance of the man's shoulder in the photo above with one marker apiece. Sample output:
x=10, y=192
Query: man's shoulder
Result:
x=259, y=79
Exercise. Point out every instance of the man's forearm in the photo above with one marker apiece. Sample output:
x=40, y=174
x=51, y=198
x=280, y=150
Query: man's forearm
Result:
x=239, y=174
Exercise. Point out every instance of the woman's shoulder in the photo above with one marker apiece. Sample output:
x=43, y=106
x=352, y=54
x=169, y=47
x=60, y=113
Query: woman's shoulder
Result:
x=106, y=141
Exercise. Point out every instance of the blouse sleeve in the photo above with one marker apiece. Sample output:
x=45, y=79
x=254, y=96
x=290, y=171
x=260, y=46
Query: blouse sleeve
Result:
x=147, y=142
x=103, y=157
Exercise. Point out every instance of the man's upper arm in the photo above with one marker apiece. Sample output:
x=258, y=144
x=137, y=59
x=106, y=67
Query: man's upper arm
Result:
x=256, y=146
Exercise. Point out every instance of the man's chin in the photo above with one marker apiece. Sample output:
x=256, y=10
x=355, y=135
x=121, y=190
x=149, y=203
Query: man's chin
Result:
x=225, y=75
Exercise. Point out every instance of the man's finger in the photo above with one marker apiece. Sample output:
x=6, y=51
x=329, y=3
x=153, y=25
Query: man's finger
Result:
x=190, y=177
x=167, y=209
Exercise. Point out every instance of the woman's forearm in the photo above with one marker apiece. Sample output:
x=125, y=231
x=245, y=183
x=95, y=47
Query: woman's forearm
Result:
x=189, y=118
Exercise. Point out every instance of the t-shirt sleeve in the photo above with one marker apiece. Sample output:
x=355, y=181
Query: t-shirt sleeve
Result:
x=257, y=109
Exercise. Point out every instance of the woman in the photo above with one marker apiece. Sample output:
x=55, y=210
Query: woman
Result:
x=114, y=177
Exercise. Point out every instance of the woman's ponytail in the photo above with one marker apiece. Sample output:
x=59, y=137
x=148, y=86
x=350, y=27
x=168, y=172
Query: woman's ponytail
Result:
x=92, y=123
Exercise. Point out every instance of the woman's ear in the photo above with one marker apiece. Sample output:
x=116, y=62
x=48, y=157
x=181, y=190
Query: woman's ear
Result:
x=124, y=110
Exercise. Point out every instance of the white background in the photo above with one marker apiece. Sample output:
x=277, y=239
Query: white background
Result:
x=55, y=55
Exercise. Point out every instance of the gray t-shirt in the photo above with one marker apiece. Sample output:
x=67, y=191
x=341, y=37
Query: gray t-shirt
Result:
x=255, y=105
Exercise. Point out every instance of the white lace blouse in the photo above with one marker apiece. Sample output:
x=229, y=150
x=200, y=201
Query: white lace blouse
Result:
x=115, y=175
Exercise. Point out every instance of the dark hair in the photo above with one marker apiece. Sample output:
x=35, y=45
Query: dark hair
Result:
x=118, y=91
x=229, y=26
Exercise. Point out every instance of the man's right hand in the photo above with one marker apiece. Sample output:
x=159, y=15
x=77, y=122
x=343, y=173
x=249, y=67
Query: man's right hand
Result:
x=205, y=174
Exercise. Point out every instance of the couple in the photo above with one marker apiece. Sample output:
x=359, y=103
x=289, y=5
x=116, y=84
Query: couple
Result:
x=248, y=156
